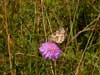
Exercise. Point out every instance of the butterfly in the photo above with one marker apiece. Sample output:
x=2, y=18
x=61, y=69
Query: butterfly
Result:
x=58, y=36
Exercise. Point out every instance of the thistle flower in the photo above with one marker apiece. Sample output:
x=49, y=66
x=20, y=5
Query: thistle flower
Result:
x=50, y=50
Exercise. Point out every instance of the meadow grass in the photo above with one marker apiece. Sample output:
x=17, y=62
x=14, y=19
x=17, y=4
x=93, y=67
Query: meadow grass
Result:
x=25, y=24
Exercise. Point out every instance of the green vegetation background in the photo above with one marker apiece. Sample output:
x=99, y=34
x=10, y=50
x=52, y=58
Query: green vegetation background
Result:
x=25, y=24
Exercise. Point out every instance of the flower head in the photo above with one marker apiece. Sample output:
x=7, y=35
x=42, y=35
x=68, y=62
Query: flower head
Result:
x=50, y=50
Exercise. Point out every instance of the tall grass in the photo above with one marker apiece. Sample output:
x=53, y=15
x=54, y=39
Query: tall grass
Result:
x=25, y=24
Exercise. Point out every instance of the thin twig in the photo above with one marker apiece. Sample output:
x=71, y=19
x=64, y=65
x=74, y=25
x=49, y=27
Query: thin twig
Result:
x=44, y=26
x=85, y=29
x=36, y=23
x=49, y=22
x=83, y=54
x=8, y=35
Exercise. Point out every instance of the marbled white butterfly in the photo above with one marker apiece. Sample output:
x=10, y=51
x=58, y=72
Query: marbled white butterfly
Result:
x=58, y=36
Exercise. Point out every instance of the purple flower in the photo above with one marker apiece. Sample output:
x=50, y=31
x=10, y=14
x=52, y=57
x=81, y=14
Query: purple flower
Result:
x=50, y=50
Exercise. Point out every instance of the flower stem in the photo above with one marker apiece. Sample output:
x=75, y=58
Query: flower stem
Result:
x=54, y=68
